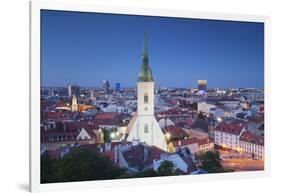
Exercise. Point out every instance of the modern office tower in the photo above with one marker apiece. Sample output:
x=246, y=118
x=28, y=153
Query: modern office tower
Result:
x=117, y=86
x=106, y=86
x=74, y=90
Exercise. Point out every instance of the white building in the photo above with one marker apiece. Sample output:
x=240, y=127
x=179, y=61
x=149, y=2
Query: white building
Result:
x=252, y=145
x=194, y=145
x=144, y=126
x=224, y=112
x=165, y=122
x=227, y=134
x=205, y=107
x=231, y=104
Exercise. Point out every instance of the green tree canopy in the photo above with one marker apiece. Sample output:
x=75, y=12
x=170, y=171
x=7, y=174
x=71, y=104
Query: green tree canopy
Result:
x=166, y=168
x=79, y=164
x=210, y=161
x=47, y=169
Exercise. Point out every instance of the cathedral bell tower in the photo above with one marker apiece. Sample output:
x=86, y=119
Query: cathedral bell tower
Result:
x=145, y=85
x=144, y=127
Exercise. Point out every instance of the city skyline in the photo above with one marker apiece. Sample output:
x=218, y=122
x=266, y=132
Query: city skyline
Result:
x=75, y=52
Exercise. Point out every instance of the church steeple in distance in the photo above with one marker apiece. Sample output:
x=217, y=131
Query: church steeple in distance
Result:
x=145, y=74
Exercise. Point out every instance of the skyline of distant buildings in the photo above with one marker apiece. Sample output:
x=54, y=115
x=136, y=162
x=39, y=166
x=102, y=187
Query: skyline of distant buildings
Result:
x=117, y=86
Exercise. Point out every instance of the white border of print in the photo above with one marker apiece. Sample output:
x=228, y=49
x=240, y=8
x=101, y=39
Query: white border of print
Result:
x=89, y=6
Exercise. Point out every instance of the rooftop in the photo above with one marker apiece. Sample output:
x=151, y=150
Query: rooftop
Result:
x=249, y=137
x=142, y=154
x=234, y=127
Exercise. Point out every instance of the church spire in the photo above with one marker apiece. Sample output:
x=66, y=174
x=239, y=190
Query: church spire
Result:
x=145, y=49
x=145, y=74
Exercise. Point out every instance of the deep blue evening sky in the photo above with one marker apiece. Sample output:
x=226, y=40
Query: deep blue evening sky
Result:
x=86, y=48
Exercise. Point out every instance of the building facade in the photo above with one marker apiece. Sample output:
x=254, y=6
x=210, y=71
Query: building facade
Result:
x=106, y=86
x=252, y=145
x=227, y=135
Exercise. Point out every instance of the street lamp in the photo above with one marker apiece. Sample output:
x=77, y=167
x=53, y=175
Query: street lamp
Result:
x=168, y=136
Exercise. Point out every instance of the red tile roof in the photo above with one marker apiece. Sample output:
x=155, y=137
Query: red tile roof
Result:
x=257, y=119
x=175, y=111
x=185, y=142
x=91, y=132
x=249, y=137
x=204, y=141
x=234, y=127
x=135, y=156
x=66, y=131
x=56, y=115
x=190, y=141
x=107, y=116
x=175, y=131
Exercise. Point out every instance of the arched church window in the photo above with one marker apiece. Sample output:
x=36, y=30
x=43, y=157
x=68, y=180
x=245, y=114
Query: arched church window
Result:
x=146, y=128
x=145, y=98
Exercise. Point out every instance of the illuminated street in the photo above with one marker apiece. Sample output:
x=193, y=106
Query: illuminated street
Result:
x=243, y=164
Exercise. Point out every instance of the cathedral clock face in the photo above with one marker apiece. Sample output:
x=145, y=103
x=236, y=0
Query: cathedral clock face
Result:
x=145, y=108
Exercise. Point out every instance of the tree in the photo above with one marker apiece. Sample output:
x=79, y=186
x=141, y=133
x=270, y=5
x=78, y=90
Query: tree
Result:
x=166, y=168
x=106, y=135
x=84, y=164
x=47, y=168
x=210, y=161
x=80, y=164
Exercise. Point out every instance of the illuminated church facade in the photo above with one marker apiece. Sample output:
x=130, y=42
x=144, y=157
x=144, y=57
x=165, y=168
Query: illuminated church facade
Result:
x=143, y=126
